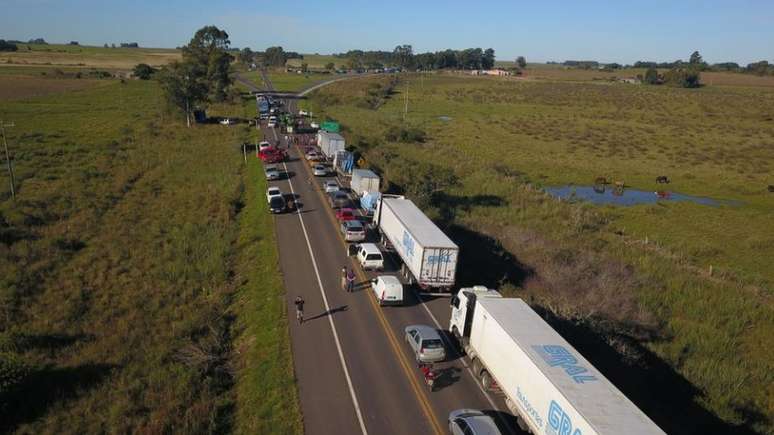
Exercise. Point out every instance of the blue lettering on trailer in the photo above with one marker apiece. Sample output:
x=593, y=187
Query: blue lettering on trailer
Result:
x=408, y=244
x=559, y=422
x=559, y=356
x=442, y=258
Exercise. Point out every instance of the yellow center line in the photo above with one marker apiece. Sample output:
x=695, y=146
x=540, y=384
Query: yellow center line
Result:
x=419, y=391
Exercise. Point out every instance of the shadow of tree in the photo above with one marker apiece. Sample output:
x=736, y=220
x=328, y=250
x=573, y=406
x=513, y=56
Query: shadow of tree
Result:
x=45, y=387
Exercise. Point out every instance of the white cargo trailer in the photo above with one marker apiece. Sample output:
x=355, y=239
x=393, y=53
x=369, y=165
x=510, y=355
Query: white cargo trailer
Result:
x=364, y=180
x=429, y=256
x=547, y=384
x=330, y=143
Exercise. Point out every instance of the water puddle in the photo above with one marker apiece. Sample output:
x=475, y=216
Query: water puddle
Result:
x=607, y=194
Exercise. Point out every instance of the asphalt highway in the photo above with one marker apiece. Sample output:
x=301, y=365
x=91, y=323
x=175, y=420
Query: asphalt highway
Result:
x=356, y=374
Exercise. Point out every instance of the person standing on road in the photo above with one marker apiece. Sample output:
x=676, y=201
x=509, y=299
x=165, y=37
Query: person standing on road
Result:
x=351, y=281
x=299, y=302
x=344, y=278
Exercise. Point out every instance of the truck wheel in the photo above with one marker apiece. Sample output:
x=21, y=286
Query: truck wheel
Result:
x=477, y=367
x=486, y=380
x=522, y=424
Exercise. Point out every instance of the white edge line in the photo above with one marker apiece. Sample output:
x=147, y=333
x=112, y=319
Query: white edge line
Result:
x=327, y=307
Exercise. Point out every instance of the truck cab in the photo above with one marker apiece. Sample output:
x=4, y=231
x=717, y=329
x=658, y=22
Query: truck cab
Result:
x=462, y=306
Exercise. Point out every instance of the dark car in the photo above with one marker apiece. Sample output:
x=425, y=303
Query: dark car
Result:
x=277, y=204
x=338, y=199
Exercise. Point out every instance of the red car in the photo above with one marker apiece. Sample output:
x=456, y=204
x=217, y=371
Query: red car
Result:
x=345, y=214
x=272, y=155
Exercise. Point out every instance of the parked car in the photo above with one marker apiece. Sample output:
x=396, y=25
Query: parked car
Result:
x=277, y=204
x=271, y=124
x=313, y=156
x=345, y=214
x=387, y=289
x=263, y=145
x=331, y=186
x=272, y=173
x=339, y=199
x=320, y=171
x=303, y=113
x=426, y=343
x=472, y=422
x=273, y=191
x=314, y=125
x=370, y=257
x=353, y=231
x=227, y=121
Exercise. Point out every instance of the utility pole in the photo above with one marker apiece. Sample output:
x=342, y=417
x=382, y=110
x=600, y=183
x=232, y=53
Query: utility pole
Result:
x=8, y=157
x=405, y=109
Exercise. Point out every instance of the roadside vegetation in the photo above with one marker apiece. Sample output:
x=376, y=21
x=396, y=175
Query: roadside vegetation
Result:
x=631, y=287
x=139, y=290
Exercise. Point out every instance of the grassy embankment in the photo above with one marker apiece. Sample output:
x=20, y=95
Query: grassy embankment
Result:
x=625, y=284
x=139, y=285
x=287, y=82
x=317, y=61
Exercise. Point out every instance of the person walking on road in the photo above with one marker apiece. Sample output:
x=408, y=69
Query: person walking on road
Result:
x=351, y=281
x=344, y=278
x=299, y=309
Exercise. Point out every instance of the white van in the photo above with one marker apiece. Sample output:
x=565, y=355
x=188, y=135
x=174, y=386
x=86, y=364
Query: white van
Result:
x=388, y=289
x=369, y=256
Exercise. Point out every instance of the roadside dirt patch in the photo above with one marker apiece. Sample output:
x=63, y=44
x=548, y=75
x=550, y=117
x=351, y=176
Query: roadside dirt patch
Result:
x=20, y=87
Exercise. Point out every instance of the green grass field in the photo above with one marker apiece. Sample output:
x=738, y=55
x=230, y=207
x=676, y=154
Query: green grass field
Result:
x=86, y=56
x=317, y=61
x=638, y=272
x=135, y=267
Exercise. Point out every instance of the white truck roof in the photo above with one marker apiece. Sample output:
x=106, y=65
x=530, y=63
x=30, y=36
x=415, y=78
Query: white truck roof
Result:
x=601, y=404
x=420, y=226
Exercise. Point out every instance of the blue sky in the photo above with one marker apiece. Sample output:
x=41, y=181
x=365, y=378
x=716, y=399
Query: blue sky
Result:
x=609, y=31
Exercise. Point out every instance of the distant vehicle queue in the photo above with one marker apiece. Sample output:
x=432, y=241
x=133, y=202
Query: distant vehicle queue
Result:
x=547, y=384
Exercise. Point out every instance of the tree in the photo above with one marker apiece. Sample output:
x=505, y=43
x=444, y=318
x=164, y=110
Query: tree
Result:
x=183, y=86
x=330, y=66
x=304, y=67
x=105, y=46
x=696, y=58
x=274, y=56
x=521, y=62
x=404, y=55
x=760, y=68
x=488, y=59
x=143, y=71
x=651, y=77
x=7, y=46
x=207, y=56
x=246, y=55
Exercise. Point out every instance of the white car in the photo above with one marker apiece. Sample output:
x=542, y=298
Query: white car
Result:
x=303, y=113
x=272, y=191
x=314, y=125
x=263, y=145
x=271, y=124
x=331, y=186
x=320, y=171
x=227, y=121
x=369, y=256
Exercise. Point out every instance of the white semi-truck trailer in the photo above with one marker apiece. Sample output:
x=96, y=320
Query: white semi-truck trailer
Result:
x=547, y=384
x=429, y=256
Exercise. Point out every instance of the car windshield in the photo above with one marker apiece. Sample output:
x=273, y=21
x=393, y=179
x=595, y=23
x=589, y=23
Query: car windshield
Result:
x=354, y=226
x=373, y=257
x=432, y=343
x=277, y=201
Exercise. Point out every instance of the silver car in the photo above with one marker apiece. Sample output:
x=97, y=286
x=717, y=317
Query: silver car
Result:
x=426, y=343
x=472, y=422
x=320, y=171
x=331, y=186
x=272, y=173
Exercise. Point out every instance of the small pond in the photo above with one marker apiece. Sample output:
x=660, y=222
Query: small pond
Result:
x=626, y=197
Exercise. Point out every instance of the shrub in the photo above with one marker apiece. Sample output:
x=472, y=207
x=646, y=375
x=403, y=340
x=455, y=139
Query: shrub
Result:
x=143, y=71
x=683, y=78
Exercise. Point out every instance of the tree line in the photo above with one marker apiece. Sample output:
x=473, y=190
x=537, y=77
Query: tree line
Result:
x=403, y=56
